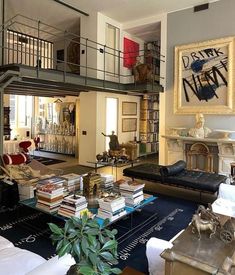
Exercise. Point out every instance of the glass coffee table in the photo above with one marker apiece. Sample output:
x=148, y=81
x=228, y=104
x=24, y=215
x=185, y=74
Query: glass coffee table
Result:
x=129, y=210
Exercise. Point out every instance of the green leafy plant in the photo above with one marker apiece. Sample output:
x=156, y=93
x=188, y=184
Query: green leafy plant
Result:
x=93, y=247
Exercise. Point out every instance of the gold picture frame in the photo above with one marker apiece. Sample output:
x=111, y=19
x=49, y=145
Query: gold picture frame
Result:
x=203, y=77
x=129, y=124
x=129, y=108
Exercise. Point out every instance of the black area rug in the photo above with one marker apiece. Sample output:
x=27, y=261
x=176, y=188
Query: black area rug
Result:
x=163, y=219
x=47, y=161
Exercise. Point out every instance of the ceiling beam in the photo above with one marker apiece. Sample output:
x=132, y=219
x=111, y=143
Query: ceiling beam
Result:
x=71, y=7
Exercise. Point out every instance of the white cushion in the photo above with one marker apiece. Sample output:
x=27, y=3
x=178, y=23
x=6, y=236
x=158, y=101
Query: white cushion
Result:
x=16, y=261
x=224, y=207
x=227, y=191
x=154, y=248
x=54, y=266
x=4, y=243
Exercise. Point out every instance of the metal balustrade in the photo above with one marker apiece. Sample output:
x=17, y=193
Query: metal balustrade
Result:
x=35, y=47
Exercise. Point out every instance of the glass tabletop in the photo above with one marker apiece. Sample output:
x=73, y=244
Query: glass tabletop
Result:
x=129, y=210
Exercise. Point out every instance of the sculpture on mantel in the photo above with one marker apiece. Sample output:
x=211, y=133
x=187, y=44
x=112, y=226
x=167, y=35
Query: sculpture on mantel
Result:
x=199, y=131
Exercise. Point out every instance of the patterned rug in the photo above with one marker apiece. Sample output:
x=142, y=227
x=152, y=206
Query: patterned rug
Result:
x=163, y=218
x=47, y=161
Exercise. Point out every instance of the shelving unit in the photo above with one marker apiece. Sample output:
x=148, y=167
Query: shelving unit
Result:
x=6, y=120
x=152, y=57
x=149, y=124
x=57, y=143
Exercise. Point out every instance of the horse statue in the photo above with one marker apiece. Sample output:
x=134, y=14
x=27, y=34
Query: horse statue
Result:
x=199, y=224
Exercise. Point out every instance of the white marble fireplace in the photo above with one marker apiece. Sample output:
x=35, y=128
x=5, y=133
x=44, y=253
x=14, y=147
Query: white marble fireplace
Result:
x=222, y=150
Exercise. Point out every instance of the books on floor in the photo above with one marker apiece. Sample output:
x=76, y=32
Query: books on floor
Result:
x=49, y=197
x=72, y=181
x=132, y=191
x=111, y=207
x=72, y=205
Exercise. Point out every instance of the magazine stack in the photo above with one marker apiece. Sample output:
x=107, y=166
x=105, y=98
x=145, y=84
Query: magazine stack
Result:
x=132, y=191
x=72, y=205
x=72, y=182
x=49, y=197
x=107, y=181
x=111, y=207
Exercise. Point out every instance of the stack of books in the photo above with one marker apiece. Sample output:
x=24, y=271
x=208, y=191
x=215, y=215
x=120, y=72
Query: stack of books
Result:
x=53, y=180
x=72, y=205
x=72, y=182
x=107, y=181
x=132, y=191
x=49, y=197
x=111, y=207
x=116, y=185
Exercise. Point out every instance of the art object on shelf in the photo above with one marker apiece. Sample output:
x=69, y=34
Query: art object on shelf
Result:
x=199, y=131
x=129, y=108
x=129, y=124
x=203, y=78
x=131, y=51
x=73, y=55
x=177, y=131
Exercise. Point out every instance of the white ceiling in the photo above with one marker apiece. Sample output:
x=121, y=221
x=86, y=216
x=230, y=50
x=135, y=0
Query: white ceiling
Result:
x=122, y=11
x=129, y=10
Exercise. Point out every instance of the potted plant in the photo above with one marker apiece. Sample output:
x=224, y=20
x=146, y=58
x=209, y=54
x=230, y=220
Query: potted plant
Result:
x=93, y=247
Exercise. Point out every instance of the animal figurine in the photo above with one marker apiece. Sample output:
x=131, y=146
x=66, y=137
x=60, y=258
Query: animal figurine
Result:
x=199, y=224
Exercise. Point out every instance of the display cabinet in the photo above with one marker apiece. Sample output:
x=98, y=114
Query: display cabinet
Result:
x=56, y=128
x=6, y=120
x=149, y=124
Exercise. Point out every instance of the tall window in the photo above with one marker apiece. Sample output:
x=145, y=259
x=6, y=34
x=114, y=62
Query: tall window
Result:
x=21, y=112
x=111, y=57
x=111, y=117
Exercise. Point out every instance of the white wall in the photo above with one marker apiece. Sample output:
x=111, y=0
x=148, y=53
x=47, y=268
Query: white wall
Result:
x=184, y=27
x=88, y=29
x=102, y=20
x=92, y=120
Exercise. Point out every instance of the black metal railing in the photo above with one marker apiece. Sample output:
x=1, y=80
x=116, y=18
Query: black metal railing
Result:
x=39, y=47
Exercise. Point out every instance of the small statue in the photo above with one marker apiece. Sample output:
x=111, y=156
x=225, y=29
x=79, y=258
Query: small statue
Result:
x=113, y=144
x=199, y=131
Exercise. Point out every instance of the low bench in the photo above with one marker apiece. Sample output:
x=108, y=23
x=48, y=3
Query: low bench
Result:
x=177, y=175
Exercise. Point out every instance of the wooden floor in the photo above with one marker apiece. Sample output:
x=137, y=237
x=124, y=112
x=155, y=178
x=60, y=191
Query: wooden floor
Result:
x=150, y=186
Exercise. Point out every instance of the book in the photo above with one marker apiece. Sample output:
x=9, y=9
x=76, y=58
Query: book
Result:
x=71, y=178
x=112, y=218
x=132, y=186
x=108, y=213
x=50, y=204
x=54, y=179
x=131, y=195
x=50, y=188
x=112, y=200
x=48, y=199
x=63, y=205
x=111, y=208
x=135, y=201
x=76, y=199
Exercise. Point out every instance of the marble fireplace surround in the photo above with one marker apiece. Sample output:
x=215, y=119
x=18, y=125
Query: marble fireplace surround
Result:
x=223, y=150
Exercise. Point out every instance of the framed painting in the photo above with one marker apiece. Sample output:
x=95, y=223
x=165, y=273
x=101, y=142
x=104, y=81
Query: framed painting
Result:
x=129, y=124
x=129, y=108
x=203, y=77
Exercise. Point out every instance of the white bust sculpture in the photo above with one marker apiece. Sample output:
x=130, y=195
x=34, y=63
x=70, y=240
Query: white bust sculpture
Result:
x=199, y=131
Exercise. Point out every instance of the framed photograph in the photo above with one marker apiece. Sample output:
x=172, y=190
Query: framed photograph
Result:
x=203, y=77
x=129, y=124
x=129, y=108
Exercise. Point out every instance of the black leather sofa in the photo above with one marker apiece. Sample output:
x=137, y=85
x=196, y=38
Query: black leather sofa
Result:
x=177, y=175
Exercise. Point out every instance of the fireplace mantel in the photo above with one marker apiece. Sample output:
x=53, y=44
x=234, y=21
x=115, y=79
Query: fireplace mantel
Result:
x=176, y=149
